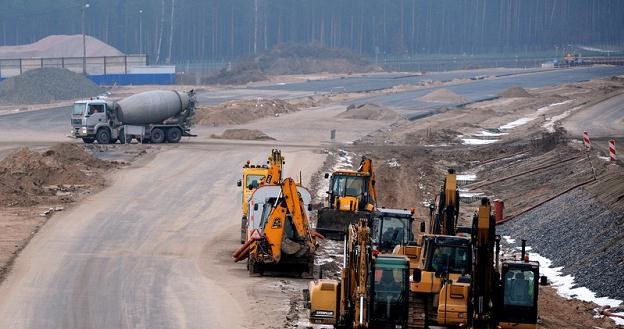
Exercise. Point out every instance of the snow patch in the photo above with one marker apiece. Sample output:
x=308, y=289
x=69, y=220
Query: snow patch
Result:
x=509, y=239
x=475, y=141
x=485, y=133
x=525, y=120
x=393, y=163
x=466, y=177
x=550, y=123
x=565, y=285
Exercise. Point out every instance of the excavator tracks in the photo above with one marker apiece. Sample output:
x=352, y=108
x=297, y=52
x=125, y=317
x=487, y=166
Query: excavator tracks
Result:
x=417, y=313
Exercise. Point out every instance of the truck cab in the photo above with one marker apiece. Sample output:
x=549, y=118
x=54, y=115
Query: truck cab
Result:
x=252, y=176
x=87, y=117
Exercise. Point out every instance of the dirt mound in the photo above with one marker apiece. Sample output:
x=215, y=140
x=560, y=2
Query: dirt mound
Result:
x=442, y=96
x=238, y=112
x=369, y=112
x=26, y=175
x=243, y=134
x=514, y=92
x=242, y=72
x=60, y=46
x=46, y=85
x=291, y=59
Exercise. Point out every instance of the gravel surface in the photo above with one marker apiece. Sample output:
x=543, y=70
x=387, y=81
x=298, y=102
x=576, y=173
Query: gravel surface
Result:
x=578, y=233
x=46, y=85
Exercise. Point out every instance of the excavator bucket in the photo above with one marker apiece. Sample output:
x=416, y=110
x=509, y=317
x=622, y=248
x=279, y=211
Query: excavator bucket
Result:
x=333, y=223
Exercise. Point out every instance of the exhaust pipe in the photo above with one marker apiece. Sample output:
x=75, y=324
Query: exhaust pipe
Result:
x=523, y=250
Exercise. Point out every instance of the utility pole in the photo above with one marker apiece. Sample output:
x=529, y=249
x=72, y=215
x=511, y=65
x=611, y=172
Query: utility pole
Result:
x=255, y=26
x=140, y=31
x=84, y=40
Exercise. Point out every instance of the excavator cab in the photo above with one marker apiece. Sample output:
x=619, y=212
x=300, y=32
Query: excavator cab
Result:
x=519, y=293
x=391, y=227
x=390, y=292
x=440, y=284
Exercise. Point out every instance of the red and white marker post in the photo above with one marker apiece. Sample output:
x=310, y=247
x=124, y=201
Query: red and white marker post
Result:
x=586, y=140
x=612, y=150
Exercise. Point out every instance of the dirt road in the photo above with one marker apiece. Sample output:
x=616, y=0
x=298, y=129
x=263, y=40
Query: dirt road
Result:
x=153, y=249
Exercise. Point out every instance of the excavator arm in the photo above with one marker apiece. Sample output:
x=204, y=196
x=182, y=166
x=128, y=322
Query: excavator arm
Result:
x=275, y=162
x=445, y=221
x=366, y=165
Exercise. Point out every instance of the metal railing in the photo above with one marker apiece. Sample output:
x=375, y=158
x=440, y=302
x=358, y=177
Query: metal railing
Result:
x=94, y=65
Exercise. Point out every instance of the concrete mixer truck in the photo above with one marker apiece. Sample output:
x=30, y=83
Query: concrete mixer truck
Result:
x=156, y=116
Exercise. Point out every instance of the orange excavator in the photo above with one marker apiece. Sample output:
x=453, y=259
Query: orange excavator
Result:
x=284, y=241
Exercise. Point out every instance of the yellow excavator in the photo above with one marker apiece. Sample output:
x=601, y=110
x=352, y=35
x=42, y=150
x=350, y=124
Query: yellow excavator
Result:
x=372, y=291
x=351, y=196
x=454, y=281
x=284, y=241
x=503, y=294
x=255, y=175
x=440, y=264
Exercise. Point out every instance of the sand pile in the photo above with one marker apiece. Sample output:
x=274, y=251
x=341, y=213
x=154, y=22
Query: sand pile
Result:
x=369, y=112
x=243, y=134
x=442, y=96
x=243, y=111
x=26, y=175
x=514, y=92
x=46, y=85
x=60, y=46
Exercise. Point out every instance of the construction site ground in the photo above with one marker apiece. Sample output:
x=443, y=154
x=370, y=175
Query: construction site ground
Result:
x=150, y=245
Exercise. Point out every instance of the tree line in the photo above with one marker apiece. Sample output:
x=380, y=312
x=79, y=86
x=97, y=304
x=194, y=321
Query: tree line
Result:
x=176, y=31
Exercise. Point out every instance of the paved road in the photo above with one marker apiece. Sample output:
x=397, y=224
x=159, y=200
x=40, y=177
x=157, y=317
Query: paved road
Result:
x=605, y=119
x=376, y=81
x=410, y=105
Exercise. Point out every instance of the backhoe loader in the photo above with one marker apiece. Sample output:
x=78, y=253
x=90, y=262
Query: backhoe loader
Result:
x=372, y=291
x=283, y=241
x=351, y=196
x=255, y=176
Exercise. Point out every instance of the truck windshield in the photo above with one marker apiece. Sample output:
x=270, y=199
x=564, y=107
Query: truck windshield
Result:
x=519, y=288
x=79, y=108
x=253, y=180
x=348, y=185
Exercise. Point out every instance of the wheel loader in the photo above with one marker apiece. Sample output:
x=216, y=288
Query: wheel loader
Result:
x=284, y=241
x=351, y=196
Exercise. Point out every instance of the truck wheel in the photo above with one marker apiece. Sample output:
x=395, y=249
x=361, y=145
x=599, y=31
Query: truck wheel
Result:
x=103, y=136
x=157, y=136
x=88, y=140
x=174, y=135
